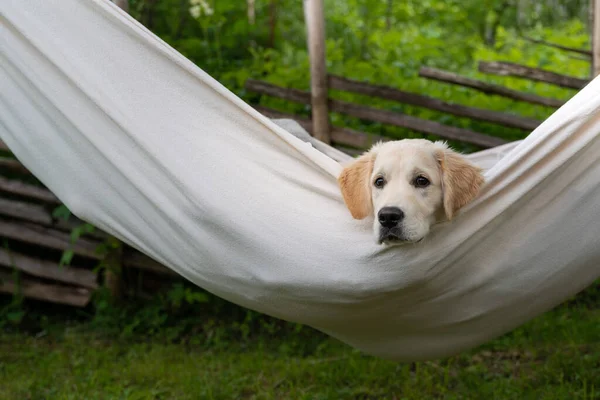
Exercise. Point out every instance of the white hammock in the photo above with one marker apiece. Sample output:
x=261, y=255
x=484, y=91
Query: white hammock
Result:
x=140, y=142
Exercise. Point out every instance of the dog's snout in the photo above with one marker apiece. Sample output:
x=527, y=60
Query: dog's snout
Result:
x=390, y=216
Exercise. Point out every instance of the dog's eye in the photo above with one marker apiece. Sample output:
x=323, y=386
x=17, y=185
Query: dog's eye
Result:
x=379, y=182
x=421, y=182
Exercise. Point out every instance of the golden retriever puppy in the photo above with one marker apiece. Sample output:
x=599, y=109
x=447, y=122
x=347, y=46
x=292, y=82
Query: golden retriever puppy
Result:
x=407, y=186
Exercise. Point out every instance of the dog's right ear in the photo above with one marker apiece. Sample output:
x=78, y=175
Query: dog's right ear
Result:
x=355, y=185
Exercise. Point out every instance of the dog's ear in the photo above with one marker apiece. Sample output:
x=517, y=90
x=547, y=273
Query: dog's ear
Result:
x=461, y=180
x=355, y=185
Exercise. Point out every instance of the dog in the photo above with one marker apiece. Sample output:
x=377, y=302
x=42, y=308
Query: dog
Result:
x=408, y=186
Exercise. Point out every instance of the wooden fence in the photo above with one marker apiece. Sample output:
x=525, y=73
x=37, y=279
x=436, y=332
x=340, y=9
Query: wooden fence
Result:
x=34, y=242
x=344, y=138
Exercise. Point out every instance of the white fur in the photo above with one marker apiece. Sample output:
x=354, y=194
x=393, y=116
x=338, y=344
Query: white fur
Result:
x=452, y=183
x=399, y=163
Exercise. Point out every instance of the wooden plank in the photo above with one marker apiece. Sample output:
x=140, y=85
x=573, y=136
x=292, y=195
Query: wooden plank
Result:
x=53, y=239
x=382, y=116
x=48, y=270
x=29, y=212
x=488, y=88
x=38, y=214
x=13, y=165
x=595, y=38
x=291, y=94
x=304, y=122
x=135, y=259
x=46, y=237
x=419, y=100
x=416, y=124
x=356, y=139
x=586, y=53
x=534, y=74
x=26, y=190
x=339, y=135
x=74, y=223
x=315, y=32
x=74, y=296
x=580, y=58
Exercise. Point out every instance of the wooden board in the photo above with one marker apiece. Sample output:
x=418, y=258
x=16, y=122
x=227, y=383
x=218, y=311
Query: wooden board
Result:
x=534, y=74
x=70, y=295
x=19, y=188
x=488, y=88
x=339, y=136
x=48, y=270
x=382, y=116
x=419, y=100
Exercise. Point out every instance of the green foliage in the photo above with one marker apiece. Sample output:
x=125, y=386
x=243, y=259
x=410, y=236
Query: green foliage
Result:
x=380, y=42
x=62, y=212
x=437, y=34
x=555, y=356
x=187, y=314
x=181, y=294
x=12, y=312
x=398, y=67
x=76, y=233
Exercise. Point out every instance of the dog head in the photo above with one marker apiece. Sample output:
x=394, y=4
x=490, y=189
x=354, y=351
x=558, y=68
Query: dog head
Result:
x=407, y=186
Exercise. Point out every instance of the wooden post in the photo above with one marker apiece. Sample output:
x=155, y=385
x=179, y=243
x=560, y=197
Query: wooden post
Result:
x=272, y=22
x=595, y=20
x=388, y=15
x=251, y=12
x=122, y=4
x=315, y=27
x=113, y=261
x=113, y=269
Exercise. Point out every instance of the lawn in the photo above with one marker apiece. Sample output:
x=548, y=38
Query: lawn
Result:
x=555, y=356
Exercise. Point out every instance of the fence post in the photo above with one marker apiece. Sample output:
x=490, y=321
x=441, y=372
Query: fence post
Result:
x=113, y=273
x=595, y=37
x=113, y=269
x=122, y=4
x=315, y=28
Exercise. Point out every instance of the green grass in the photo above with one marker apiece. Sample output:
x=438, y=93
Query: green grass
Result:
x=555, y=356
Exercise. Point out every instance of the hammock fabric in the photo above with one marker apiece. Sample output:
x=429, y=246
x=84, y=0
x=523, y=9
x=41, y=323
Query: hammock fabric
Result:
x=143, y=144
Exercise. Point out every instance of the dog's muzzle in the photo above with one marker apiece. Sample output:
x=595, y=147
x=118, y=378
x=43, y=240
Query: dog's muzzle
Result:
x=390, y=224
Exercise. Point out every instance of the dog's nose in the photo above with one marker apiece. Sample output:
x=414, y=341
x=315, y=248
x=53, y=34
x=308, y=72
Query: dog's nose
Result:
x=390, y=216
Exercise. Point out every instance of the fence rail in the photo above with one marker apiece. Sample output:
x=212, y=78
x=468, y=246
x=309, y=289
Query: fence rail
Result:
x=586, y=53
x=534, y=74
x=419, y=100
x=488, y=88
x=378, y=115
x=339, y=136
x=361, y=140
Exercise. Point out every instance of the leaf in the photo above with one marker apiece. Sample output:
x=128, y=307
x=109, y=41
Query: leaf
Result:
x=66, y=257
x=195, y=297
x=61, y=212
x=15, y=316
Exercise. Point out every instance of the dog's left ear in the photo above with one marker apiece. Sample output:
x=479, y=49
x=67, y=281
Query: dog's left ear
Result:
x=461, y=180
